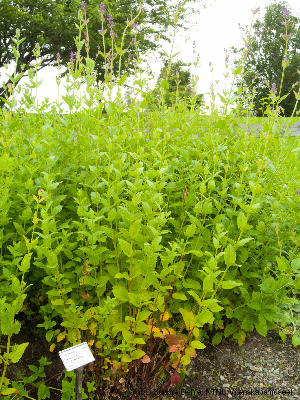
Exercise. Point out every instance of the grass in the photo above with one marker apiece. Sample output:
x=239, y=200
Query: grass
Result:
x=144, y=234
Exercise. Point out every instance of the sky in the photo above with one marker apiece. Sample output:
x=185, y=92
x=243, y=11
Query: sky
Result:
x=213, y=31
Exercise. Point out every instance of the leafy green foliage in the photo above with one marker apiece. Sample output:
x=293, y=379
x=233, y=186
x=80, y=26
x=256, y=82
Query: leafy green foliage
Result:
x=138, y=233
x=53, y=26
x=265, y=59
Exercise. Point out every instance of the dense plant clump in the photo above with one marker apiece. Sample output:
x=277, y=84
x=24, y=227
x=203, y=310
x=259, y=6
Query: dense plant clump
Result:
x=143, y=233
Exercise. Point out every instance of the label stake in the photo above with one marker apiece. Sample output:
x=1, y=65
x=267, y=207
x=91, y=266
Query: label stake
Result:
x=75, y=358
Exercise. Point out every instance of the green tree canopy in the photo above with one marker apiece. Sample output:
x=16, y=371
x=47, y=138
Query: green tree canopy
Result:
x=264, y=58
x=52, y=25
x=179, y=83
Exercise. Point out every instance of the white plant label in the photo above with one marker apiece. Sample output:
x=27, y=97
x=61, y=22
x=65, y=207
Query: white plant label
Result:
x=76, y=356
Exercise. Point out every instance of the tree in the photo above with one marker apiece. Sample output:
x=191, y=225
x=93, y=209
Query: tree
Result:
x=179, y=83
x=265, y=56
x=52, y=25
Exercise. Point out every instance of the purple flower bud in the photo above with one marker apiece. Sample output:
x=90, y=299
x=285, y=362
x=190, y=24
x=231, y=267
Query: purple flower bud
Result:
x=58, y=57
x=71, y=57
x=110, y=21
x=142, y=8
x=112, y=34
x=102, y=7
x=255, y=11
x=284, y=12
x=83, y=6
x=274, y=88
x=298, y=192
x=286, y=37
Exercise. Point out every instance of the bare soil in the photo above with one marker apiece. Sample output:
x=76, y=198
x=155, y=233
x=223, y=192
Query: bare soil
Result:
x=226, y=371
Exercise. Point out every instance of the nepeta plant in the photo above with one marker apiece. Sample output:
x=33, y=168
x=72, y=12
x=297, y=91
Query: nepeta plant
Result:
x=149, y=233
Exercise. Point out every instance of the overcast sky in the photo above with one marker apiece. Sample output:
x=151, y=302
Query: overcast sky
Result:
x=214, y=30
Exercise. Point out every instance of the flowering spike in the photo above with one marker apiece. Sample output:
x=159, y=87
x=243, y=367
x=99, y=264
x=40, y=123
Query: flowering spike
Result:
x=255, y=11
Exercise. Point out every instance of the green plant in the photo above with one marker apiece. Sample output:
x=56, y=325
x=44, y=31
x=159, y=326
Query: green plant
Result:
x=150, y=234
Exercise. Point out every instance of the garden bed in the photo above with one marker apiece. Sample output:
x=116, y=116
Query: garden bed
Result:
x=261, y=363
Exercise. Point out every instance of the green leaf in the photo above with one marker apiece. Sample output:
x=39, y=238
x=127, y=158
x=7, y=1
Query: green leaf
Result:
x=282, y=263
x=57, y=302
x=8, y=391
x=295, y=264
x=229, y=284
x=144, y=103
x=212, y=304
x=238, y=70
x=126, y=247
x=19, y=229
x=57, y=209
x=296, y=340
x=229, y=330
x=135, y=299
x=222, y=98
x=96, y=197
x=282, y=335
x=52, y=259
x=125, y=358
x=241, y=220
x=217, y=338
x=8, y=326
x=143, y=315
x=165, y=84
x=191, y=284
x=261, y=325
x=197, y=344
x=136, y=354
x=120, y=293
x=190, y=230
x=247, y=323
x=244, y=241
x=208, y=284
x=25, y=264
x=17, y=352
x=197, y=253
x=124, y=275
x=188, y=317
x=195, y=296
x=68, y=253
x=123, y=79
x=43, y=391
x=127, y=335
x=205, y=316
x=179, y=296
x=229, y=256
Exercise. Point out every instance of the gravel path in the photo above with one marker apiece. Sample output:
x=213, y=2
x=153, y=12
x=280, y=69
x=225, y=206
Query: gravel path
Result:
x=230, y=371
x=293, y=130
